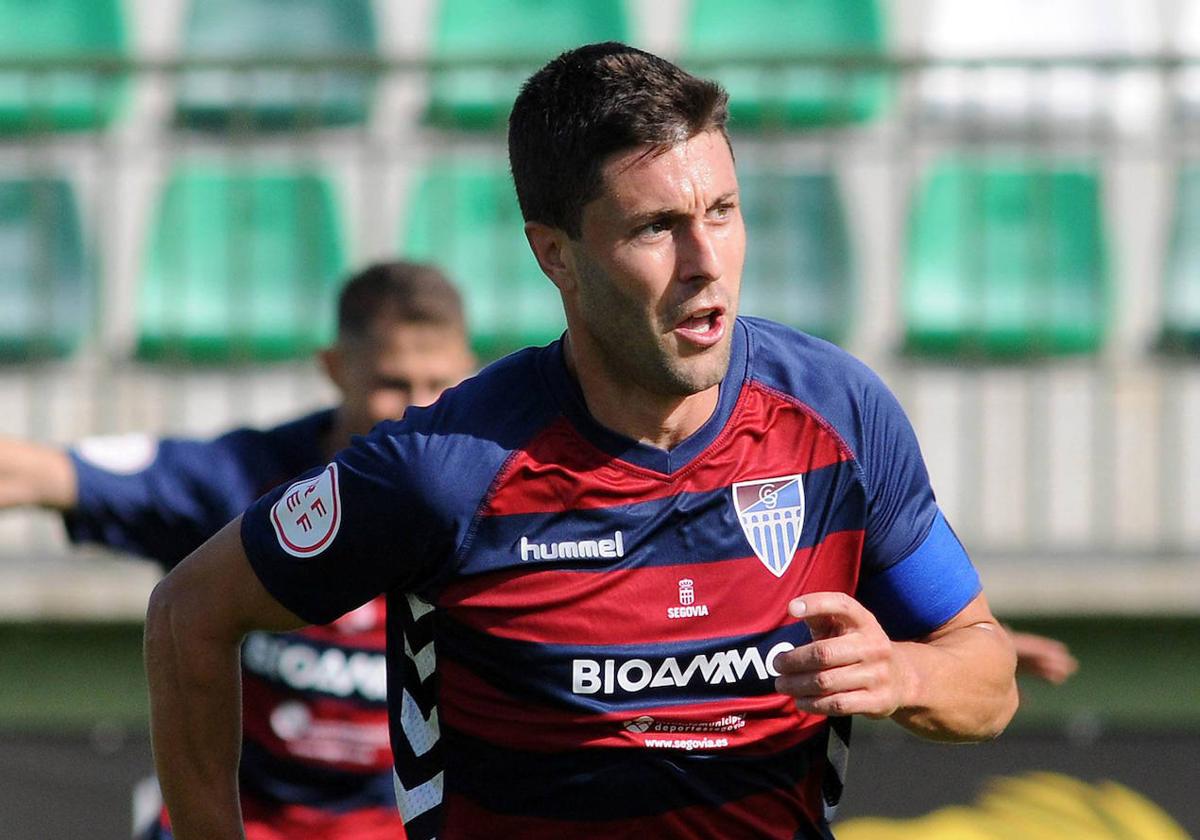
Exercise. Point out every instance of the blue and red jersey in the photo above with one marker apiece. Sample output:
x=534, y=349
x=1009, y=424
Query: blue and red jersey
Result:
x=314, y=710
x=606, y=614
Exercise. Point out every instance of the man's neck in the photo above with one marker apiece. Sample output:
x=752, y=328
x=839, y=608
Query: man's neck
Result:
x=337, y=436
x=636, y=413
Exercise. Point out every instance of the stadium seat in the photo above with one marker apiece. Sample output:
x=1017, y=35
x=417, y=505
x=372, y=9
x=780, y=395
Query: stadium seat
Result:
x=798, y=267
x=518, y=34
x=275, y=98
x=1181, y=294
x=1006, y=260
x=45, y=290
x=464, y=215
x=243, y=266
x=782, y=94
x=60, y=99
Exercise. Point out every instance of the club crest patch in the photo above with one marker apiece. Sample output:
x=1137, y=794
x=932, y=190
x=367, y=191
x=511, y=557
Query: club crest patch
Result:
x=307, y=516
x=771, y=513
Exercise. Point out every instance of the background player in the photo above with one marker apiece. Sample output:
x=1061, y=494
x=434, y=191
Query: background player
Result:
x=316, y=762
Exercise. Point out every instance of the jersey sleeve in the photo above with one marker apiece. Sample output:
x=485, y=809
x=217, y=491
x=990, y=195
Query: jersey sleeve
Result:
x=916, y=575
x=341, y=534
x=159, y=499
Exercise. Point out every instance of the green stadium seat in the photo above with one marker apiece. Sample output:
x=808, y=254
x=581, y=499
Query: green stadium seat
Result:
x=243, y=265
x=798, y=267
x=520, y=35
x=60, y=99
x=779, y=93
x=1181, y=293
x=45, y=289
x=277, y=98
x=1007, y=259
x=464, y=216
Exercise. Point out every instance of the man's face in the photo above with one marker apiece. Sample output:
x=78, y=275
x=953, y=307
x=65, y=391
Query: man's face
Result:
x=394, y=366
x=659, y=266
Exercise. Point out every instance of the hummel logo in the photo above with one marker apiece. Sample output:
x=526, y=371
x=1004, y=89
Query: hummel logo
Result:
x=573, y=549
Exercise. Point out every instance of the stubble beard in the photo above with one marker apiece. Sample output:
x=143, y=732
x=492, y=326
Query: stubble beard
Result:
x=636, y=352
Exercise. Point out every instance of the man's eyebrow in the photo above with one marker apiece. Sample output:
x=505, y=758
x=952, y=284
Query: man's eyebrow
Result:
x=646, y=216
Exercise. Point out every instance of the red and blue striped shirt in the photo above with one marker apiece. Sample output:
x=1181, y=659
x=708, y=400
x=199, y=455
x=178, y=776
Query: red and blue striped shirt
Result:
x=606, y=614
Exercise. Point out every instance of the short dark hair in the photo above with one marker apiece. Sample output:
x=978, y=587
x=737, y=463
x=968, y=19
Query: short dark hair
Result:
x=589, y=103
x=400, y=292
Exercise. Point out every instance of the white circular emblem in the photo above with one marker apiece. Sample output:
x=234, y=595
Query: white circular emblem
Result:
x=291, y=721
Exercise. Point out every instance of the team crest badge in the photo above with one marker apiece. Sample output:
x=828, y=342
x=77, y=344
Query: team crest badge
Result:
x=771, y=512
x=307, y=516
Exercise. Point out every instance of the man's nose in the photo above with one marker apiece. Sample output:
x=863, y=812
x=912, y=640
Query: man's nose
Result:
x=697, y=253
x=389, y=406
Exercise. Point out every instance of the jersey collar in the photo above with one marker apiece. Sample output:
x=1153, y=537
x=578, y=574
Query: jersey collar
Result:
x=569, y=396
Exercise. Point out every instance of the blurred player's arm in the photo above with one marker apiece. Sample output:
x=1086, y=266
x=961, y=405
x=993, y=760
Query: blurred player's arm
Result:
x=195, y=621
x=955, y=684
x=1042, y=657
x=158, y=499
x=36, y=474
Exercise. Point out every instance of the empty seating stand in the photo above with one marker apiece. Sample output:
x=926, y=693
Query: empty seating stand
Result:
x=45, y=290
x=1181, y=293
x=798, y=268
x=45, y=97
x=243, y=266
x=1056, y=99
x=1007, y=259
x=776, y=88
x=464, y=216
x=264, y=98
x=513, y=36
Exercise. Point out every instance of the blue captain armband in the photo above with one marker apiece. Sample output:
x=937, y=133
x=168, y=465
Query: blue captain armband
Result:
x=924, y=590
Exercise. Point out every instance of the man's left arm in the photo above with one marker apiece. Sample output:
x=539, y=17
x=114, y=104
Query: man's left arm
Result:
x=915, y=640
x=955, y=684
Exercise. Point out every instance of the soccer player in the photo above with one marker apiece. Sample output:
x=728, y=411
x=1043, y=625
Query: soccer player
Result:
x=668, y=556
x=315, y=754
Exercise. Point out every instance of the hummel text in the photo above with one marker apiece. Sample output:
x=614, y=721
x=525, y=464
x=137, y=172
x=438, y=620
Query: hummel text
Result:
x=573, y=549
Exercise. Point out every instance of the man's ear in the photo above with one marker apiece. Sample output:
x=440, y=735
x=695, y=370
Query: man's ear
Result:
x=332, y=362
x=549, y=245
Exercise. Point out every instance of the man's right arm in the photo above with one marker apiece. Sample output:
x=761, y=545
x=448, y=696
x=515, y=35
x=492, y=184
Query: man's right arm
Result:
x=305, y=553
x=195, y=621
x=36, y=474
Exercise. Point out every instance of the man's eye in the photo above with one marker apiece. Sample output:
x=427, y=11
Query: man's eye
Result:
x=654, y=228
x=721, y=211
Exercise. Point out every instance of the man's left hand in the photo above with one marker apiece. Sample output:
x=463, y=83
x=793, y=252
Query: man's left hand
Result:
x=850, y=668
